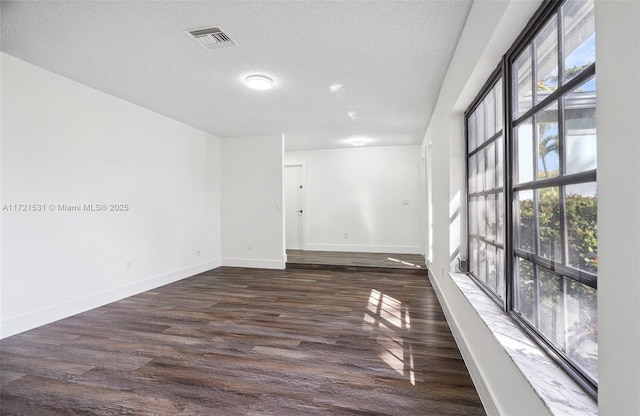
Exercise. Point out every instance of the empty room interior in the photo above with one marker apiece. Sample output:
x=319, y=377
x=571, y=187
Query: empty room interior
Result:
x=320, y=207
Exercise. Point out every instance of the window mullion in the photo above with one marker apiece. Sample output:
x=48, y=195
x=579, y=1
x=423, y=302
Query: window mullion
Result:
x=564, y=236
x=565, y=315
x=560, y=25
x=572, y=179
x=562, y=151
x=536, y=223
x=561, y=138
x=536, y=202
x=534, y=74
x=508, y=161
x=536, y=296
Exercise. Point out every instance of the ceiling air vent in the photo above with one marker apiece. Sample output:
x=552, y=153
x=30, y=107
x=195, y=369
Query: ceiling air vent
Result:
x=210, y=38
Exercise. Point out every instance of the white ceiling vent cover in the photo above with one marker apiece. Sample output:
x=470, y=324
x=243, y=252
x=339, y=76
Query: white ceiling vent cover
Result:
x=210, y=38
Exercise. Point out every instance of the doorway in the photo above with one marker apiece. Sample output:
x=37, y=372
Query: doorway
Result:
x=294, y=206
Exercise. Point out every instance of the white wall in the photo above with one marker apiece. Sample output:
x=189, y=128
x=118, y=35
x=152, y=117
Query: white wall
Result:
x=65, y=143
x=618, y=123
x=361, y=192
x=252, y=202
x=490, y=29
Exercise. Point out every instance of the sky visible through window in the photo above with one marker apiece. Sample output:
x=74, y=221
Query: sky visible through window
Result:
x=582, y=56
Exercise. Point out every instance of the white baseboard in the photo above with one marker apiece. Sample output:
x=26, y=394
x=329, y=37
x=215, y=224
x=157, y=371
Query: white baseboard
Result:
x=254, y=263
x=365, y=248
x=54, y=313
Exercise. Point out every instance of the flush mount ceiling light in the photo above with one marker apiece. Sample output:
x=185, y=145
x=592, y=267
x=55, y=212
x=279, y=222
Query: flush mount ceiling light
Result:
x=259, y=82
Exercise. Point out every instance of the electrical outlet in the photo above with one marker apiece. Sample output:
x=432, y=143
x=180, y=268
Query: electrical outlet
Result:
x=198, y=252
x=128, y=265
x=346, y=235
x=248, y=246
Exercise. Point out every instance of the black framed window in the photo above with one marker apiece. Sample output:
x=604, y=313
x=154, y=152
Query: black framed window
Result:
x=485, y=173
x=548, y=200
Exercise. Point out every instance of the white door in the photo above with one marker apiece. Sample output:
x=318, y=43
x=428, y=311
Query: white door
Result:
x=293, y=194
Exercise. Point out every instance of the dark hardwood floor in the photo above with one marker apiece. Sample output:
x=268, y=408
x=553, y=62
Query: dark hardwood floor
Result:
x=350, y=261
x=236, y=341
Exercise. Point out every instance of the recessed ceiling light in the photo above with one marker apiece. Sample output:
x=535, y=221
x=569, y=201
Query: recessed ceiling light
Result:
x=259, y=82
x=358, y=142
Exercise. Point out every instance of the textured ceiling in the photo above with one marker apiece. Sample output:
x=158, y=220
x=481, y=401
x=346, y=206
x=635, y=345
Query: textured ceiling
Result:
x=342, y=69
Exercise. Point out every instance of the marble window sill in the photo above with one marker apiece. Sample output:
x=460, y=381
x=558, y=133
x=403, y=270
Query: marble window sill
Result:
x=559, y=393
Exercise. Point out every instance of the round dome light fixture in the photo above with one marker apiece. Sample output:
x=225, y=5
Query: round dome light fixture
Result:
x=259, y=82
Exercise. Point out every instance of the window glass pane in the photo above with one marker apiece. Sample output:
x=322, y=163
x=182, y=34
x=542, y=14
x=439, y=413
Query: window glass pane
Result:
x=473, y=248
x=472, y=132
x=490, y=111
x=582, y=330
x=480, y=117
x=481, y=219
x=482, y=261
x=547, y=134
x=547, y=60
x=500, y=273
x=490, y=177
x=549, y=223
x=580, y=128
x=490, y=215
x=522, y=71
x=579, y=37
x=476, y=259
x=551, y=306
x=525, y=228
x=500, y=218
x=491, y=267
x=499, y=161
x=525, y=291
x=473, y=215
x=582, y=226
x=525, y=152
x=473, y=174
x=481, y=169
